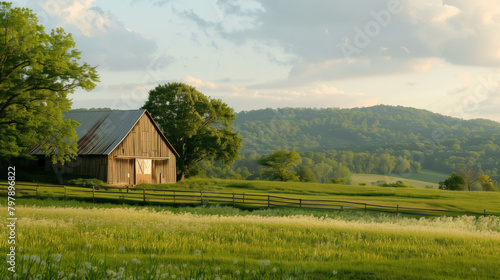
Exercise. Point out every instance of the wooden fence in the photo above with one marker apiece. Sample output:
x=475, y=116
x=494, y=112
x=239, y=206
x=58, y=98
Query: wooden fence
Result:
x=177, y=197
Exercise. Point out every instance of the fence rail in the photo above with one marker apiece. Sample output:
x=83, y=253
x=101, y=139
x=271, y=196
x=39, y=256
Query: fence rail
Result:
x=182, y=197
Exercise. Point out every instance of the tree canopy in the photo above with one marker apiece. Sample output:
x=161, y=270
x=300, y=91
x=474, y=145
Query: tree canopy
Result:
x=197, y=126
x=454, y=183
x=276, y=164
x=37, y=72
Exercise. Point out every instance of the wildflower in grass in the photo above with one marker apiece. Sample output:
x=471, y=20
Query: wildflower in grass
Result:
x=87, y=265
x=71, y=275
x=217, y=269
x=235, y=261
x=473, y=269
x=87, y=245
x=152, y=256
x=253, y=271
x=162, y=265
x=25, y=271
x=247, y=271
x=121, y=249
x=20, y=249
x=169, y=266
x=197, y=252
x=237, y=272
x=217, y=278
x=164, y=275
x=57, y=257
x=111, y=273
x=60, y=274
x=101, y=261
x=274, y=269
x=267, y=262
x=43, y=263
x=124, y=262
x=184, y=265
x=136, y=261
x=174, y=276
x=25, y=257
x=261, y=263
x=334, y=272
x=121, y=269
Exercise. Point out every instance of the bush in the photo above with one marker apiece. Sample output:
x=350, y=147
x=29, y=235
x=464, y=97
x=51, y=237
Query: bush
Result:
x=398, y=184
x=84, y=182
x=362, y=184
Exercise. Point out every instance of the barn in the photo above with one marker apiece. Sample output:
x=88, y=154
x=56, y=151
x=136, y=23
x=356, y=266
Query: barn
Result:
x=120, y=148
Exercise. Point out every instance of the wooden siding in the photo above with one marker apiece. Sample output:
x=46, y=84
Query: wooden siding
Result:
x=144, y=140
x=94, y=166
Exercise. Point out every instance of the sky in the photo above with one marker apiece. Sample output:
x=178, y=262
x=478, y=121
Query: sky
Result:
x=442, y=56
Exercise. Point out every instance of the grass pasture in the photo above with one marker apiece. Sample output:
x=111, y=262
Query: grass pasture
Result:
x=464, y=201
x=422, y=179
x=115, y=242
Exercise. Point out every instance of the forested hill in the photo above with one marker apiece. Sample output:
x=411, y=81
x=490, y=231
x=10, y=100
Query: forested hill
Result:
x=437, y=142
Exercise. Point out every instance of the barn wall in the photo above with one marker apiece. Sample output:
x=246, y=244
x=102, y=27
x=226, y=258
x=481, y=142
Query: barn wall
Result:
x=144, y=140
x=94, y=166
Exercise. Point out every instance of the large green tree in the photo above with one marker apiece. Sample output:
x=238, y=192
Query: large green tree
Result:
x=454, y=183
x=197, y=126
x=276, y=165
x=37, y=72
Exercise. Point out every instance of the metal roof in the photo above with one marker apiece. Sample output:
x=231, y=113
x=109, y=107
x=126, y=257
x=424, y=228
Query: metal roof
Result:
x=100, y=132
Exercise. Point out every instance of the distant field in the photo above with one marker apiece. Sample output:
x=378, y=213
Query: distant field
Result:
x=419, y=180
x=122, y=242
x=404, y=197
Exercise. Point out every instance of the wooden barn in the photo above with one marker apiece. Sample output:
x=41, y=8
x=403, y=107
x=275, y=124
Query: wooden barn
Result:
x=119, y=148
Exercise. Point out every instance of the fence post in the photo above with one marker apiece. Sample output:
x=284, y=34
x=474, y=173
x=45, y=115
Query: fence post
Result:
x=64, y=192
x=234, y=203
x=341, y=207
x=93, y=193
x=397, y=209
x=144, y=194
x=484, y=213
x=268, y=201
x=300, y=202
x=127, y=188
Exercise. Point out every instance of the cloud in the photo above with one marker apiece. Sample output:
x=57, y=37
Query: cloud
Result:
x=210, y=86
x=313, y=34
x=103, y=39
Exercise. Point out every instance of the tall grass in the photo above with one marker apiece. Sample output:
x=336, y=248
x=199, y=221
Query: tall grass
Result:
x=298, y=246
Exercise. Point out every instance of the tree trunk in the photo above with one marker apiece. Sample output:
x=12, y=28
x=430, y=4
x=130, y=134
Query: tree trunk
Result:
x=180, y=177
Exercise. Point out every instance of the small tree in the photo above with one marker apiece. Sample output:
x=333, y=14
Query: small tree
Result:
x=454, y=183
x=306, y=175
x=470, y=178
x=275, y=165
x=487, y=184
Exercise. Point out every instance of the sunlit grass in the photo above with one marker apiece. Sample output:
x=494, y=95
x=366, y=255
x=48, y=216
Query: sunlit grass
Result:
x=299, y=246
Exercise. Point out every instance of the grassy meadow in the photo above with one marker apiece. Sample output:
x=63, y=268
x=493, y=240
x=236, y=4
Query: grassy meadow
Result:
x=422, y=179
x=80, y=240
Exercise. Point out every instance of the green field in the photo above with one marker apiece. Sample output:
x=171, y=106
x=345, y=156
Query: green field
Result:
x=465, y=201
x=422, y=179
x=116, y=242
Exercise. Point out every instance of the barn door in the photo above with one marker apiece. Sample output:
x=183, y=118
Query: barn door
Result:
x=143, y=171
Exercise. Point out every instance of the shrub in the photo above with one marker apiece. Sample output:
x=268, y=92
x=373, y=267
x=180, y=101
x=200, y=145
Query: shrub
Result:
x=84, y=182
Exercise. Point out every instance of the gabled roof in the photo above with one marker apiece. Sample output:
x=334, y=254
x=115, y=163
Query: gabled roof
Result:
x=101, y=132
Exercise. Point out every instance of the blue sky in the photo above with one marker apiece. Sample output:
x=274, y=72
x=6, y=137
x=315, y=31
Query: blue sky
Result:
x=443, y=56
